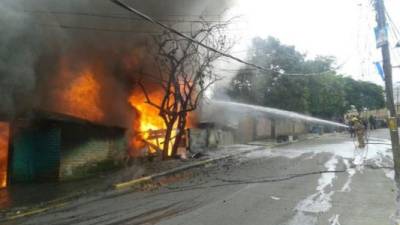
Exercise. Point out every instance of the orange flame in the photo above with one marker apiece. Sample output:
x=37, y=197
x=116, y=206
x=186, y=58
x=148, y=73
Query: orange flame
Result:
x=79, y=92
x=4, y=138
x=82, y=97
x=147, y=120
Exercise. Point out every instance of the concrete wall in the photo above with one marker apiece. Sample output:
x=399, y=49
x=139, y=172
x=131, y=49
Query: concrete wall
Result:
x=88, y=150
x=300, y=128
x=246, y=130
x=263, y=128
x=198, y=139
x=208, y=138
x=249, y=129
x=284, y=127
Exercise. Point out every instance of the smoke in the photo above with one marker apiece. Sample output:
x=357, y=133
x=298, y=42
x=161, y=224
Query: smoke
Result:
x=39, y=36
x=17, y=58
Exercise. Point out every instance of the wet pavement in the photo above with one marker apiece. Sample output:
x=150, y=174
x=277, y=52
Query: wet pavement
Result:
x=19, y=197
x=320, y=181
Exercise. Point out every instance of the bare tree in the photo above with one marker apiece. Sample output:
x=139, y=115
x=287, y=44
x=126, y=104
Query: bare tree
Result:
x=185, y=72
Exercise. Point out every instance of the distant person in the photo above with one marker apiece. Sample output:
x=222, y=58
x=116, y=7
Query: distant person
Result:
x=365, y=123
x=372, y=122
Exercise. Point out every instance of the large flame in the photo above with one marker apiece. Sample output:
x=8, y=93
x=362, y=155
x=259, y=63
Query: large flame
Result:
x=82, y=97
x=148, y=126
x=76, y=91
x=4, y=139
x=147, y=121
x=83, y=90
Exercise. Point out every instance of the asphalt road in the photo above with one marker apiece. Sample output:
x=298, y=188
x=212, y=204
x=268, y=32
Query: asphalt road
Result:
x=289, y=185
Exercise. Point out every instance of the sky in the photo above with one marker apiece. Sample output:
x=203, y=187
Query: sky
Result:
x=340, y=28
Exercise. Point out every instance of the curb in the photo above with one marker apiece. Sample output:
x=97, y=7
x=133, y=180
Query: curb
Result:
x=135, y=182
x=33, y=212
x=58, y=203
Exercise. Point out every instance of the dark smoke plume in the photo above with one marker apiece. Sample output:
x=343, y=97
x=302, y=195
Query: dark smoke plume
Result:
x=36, y=35
x=19, y=48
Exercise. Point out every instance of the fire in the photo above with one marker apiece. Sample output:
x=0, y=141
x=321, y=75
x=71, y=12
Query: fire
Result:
x=149, y=126
x=4, y=139
x=85, y=90
x=82, y=97
x=147, y=120
x=78, y=91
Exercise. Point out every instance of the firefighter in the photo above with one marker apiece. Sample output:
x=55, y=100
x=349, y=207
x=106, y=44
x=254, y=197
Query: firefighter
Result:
x=349, y=123
x=359, y=129
x=349, y=116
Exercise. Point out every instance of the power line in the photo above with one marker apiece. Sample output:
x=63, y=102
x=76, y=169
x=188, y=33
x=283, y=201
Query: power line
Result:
x=114, y=16
x=91, y=28
x=63, y=26
x=148, y=18
x=395, y=32
x=172, y=30
x=233, y=71
x=394, y=27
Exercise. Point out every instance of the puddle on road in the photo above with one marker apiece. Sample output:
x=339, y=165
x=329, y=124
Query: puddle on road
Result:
x=321, y=200
x=351, y=171
x=345, y=150
x=303, y=219
x=308, y=209
x=334, y=220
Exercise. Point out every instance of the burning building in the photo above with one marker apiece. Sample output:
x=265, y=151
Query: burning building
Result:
x=79, y=62
x=50, y=146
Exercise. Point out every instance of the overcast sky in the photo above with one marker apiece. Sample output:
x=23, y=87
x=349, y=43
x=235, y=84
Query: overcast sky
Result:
x=341, y=28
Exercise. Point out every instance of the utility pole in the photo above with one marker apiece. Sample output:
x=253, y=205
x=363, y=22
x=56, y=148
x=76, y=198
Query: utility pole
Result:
x=387, y=68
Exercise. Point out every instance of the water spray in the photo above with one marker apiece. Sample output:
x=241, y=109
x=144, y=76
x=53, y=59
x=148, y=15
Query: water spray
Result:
x=235, y=106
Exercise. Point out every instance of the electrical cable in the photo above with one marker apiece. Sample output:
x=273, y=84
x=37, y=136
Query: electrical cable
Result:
x=396, y=29
x=232, y=182
x=288, y=177
x=114, y=16
x=174, y=31
x=259, y=180
x=395, y=33
x=379, y=143
x=63, y=26
x=135, y=32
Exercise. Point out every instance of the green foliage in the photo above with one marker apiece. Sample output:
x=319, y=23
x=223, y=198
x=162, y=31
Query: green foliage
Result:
x=324, y=94
x=363, y=94
x=327, y=96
